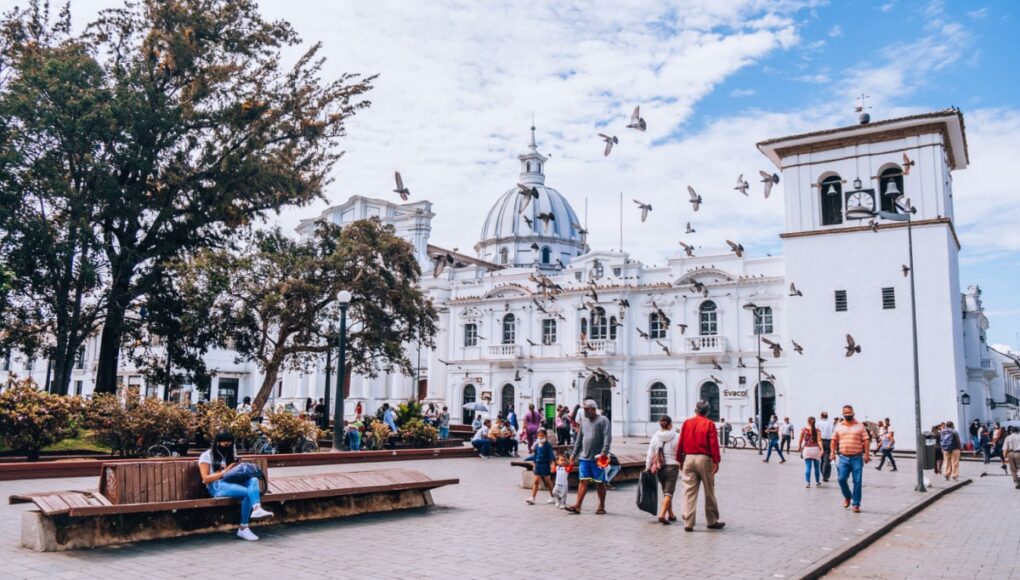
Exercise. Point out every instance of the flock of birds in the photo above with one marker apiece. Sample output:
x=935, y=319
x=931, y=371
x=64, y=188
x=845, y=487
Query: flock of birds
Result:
x=549, y=289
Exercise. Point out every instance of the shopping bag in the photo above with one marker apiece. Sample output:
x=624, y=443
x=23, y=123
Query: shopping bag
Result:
x=648, y=493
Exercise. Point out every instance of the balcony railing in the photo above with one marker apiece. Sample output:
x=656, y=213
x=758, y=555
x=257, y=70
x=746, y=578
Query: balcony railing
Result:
x=986, y=363
x=705, y=344
x=505, y=351
x=599, y=347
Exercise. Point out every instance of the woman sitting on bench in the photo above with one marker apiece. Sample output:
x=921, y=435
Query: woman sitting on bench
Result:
x=213, y=464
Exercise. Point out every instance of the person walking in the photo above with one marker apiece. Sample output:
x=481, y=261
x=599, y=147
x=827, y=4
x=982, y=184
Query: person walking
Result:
x=443, y=422
x=1011, y=447
x=985, y=443
x=661, y=460
x=562, y=426
x=886, y=444
x=532, y=423
x=786, y=429
x=543, y=459
x=389, y=417
x=850, y=445
x=825, y=430
x=949, y=440
x=591, y=447
x=810, y=448
x=698, y=456
x=772, y=433
x=511, y=418
x=975, y=425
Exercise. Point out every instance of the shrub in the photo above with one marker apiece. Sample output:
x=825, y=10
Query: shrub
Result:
x=418, y=433
x=285, y=430
x=380, y=435
x=407, y=412
x=31, y=419
x=132, y=428
x=214, y=417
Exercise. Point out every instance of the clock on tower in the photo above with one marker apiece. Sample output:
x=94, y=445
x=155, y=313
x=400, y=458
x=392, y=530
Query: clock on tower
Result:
x=860, y=204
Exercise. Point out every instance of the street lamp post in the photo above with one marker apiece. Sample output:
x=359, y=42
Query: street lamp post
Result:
x=324, y=419
x=753, y=309
x=344, y=299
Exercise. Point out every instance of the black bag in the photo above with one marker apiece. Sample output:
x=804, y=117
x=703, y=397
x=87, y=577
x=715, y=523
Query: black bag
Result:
x=648, y=493
x=242, y=473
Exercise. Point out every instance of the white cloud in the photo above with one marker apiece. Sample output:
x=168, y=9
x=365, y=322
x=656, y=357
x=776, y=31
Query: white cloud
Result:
x=836, y=31
x=740, y=93
x=978, y=14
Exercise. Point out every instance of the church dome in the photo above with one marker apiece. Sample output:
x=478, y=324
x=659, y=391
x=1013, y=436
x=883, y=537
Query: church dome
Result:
x=554, y=230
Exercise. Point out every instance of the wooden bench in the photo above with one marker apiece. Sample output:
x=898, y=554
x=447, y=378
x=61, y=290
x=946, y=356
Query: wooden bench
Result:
x=631, y=467
x=148, y=500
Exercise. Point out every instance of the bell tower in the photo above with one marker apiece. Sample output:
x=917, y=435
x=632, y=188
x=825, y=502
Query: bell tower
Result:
x=532, y=163
x=846, y=249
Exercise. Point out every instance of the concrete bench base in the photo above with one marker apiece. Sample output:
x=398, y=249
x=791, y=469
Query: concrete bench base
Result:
x=63, y=532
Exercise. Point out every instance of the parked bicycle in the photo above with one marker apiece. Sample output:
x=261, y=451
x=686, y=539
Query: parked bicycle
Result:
x=736, y=442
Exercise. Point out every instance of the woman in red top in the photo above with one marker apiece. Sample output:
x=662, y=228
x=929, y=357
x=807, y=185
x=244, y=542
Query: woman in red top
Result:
x=810, y=447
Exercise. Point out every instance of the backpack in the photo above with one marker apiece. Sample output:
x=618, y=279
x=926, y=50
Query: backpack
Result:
x=947, y=440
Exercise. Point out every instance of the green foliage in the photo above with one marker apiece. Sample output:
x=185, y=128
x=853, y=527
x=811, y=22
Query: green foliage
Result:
x=408, y=411
x=285, y=430
x=31, y=419
x=130, y=429
x=418, y=433
x=214, y=417
x=380, y=434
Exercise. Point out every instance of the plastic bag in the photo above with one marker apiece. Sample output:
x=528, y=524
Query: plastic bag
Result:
x=648, y=493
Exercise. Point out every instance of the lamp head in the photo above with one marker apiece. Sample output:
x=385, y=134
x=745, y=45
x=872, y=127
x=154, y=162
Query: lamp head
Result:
x=857, y=183
x=751, y=307
x=343, y=297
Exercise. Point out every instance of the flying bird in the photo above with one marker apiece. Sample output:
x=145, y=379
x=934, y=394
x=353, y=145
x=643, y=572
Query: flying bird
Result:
x=742, y=184
x=777, y=348
x=645, y=208
x=907, y=164
x=528, y=221
x=769, y=179
x=546, y=218
x=517, y=376
x=610, y=141
x=534, y=246
x=694, y=345
x=403, y=191
x=683, y=328
x=441, y=261
x=641, y=333
x=527, y=193
x=740, y=363
x=794, y=291
x=737, y=249
x=531, y=342
x=906, y=270
x=796, y=347
x=851, y=346
x=689, y=250
x=767, y=376
x=690, y=230
x=695, y=198
x=664, y=348
x=716, y=365
x=873, y=225
x=636, y=122
x=624, y=303
x=580, y=230
x=715, y=379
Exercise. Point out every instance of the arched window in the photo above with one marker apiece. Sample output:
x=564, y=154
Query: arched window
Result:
x=763, y=320
x=528, y=166
x=509, y=329
x=584, y=328
x=546, y=255
x=710, y=392
x=656, y=326
x=890, y=186
x=768, y=401
x=469, y=397
x=709, y=318
x=504, y=256
x=506, y=399
x=599, y=324
x=831, y=191
x=548, y=391
x=658, y=402
x=612, y=328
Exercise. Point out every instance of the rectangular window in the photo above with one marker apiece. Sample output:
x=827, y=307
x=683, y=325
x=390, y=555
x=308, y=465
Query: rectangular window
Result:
x=656, y=326
x=79, y=360
x=77, y=387
x=549, y=331
x=658, y=402
x=470, y=335
x=888, y=298
x=763, y=320
x=840, y=300
x=5, y=365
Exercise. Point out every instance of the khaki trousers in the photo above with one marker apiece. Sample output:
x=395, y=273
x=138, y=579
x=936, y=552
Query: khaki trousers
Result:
x=951, y=467
x=1013, y=460
x=698, y=470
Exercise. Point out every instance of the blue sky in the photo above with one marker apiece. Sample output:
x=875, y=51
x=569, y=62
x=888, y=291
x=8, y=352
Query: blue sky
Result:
x=461, y=80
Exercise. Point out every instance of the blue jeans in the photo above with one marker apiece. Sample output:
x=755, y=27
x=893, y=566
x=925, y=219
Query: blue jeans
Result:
x=354, y=440
x=444, y=432
x=611, y=472
x=484, y=446
x=845, y=468
x=808, y=464
x=248, y=494
x=774, y=444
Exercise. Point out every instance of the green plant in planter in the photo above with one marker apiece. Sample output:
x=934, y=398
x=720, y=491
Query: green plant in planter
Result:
x=381, y=433
x=285, y=430
x=418, y=433
x=31, y=419
x=133, y=427
x=407, y=412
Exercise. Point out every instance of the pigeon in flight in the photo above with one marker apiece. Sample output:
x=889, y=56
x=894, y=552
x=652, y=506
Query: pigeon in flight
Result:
x=695, y=198
x=740, y=363
x=441, y=261
x=527, y=193
x=767, y=376
x=907, y=164
x=851, y=346
x=689, y=250
x=737, y=249
x=769, y=179
x=403, y=191
x=662, y=315
x=683, y=328
x=777, y=348
x=906, y=270
x=531, y=342
x=716, y=365
x=796, y=347
x=517, y=376
x=528, y=221
x=664, y=348
x=580, y=230
x=636, y=122
x=794, y=291
x=742, y=184
x=641, y=333
x=690, y=230
x=645, y=208
x=610, y=141
x=873, y=225
x=546, y=218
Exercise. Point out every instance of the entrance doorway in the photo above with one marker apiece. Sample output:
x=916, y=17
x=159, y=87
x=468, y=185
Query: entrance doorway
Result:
x=549, y=402
x=467, y=415
x=710, y=393
x=506, y=400
x=602, y=393
x=227, y=391
x=768, y=402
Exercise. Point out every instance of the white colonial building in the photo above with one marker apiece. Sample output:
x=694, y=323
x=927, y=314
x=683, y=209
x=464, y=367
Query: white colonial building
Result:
x=536, y=316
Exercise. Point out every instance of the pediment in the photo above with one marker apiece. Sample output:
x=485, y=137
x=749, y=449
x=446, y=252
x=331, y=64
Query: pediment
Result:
x=509, y=290
x=705, y=275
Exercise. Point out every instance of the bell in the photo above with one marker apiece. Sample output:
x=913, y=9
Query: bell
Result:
x=890, y=188
x=831, y=190
x=858, y=213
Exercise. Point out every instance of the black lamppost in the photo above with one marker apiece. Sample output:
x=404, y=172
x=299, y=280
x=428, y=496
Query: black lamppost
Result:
x=324, y=419
x=344, y=299
x=753, y=308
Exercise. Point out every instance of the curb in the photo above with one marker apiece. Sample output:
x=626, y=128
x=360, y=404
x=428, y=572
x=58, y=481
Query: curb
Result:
x=825, y=566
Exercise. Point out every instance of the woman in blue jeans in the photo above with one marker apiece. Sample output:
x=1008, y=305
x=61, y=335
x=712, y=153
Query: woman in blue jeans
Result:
x=213, y=464
x=810, y=447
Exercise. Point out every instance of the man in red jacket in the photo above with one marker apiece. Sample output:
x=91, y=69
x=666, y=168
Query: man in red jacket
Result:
x=698, y=454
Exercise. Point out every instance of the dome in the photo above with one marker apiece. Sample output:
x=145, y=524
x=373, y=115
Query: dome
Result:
x=507, y=237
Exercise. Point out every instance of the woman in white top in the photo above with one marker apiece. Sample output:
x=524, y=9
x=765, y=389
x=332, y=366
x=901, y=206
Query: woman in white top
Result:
x=213, y=464
x=662, y=457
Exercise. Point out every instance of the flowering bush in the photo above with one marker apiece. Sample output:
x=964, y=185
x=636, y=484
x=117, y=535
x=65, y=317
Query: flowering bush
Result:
x=407, y=412
x=285, y=430
x=214, y=417
x=380, y=434
x=132, y=428
x=418, y=433
x=31, y=419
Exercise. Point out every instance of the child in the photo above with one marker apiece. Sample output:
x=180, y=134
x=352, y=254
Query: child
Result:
x=562, y=484
x=543, y=458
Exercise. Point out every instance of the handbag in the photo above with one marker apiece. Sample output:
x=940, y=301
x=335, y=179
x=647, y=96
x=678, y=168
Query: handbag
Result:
x=813, y=452
x=242, y=473
x=648, y=493
x=658, y=461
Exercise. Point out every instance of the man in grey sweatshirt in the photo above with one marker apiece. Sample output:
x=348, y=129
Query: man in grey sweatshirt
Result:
x=594, y=437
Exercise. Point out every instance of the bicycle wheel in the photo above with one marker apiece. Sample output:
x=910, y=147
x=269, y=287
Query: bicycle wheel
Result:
x=739, y=442
x=307, y=446
x=158, y=451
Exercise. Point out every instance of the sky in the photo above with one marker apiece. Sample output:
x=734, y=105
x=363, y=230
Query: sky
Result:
x=461, y=80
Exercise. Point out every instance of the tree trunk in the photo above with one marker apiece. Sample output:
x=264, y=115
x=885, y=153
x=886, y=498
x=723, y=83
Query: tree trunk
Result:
x=110, y=339
x=268, y=384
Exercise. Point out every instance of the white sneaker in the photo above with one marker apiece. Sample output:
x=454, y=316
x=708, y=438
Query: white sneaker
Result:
x=247, y=534
x=260, y=514
x=529, y=500
x=550, y=500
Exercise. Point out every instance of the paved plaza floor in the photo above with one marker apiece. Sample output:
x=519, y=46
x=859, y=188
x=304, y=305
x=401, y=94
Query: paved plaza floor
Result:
x=483, y=529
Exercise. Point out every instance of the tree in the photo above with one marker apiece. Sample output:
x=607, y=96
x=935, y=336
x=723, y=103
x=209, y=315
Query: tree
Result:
x=279, y=308
x=196, y=131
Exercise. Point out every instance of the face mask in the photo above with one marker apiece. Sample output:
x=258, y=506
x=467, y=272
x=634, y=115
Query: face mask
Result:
x=540, y=440
x=848, y=417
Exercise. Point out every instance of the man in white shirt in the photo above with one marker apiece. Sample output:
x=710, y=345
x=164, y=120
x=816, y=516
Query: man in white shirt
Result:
x=787, y=431
x=481, y=441
x=1011, y=453
x=826, y=427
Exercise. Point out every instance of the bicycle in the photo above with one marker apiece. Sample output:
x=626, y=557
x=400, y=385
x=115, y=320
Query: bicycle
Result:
x=167, y=448
x=736, y=442
x=263, y=445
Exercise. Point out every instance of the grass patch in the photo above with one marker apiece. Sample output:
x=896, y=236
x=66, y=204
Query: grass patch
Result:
x=83, y=443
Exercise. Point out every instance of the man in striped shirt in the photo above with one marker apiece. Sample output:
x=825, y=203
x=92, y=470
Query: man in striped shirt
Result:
x=850, y=444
